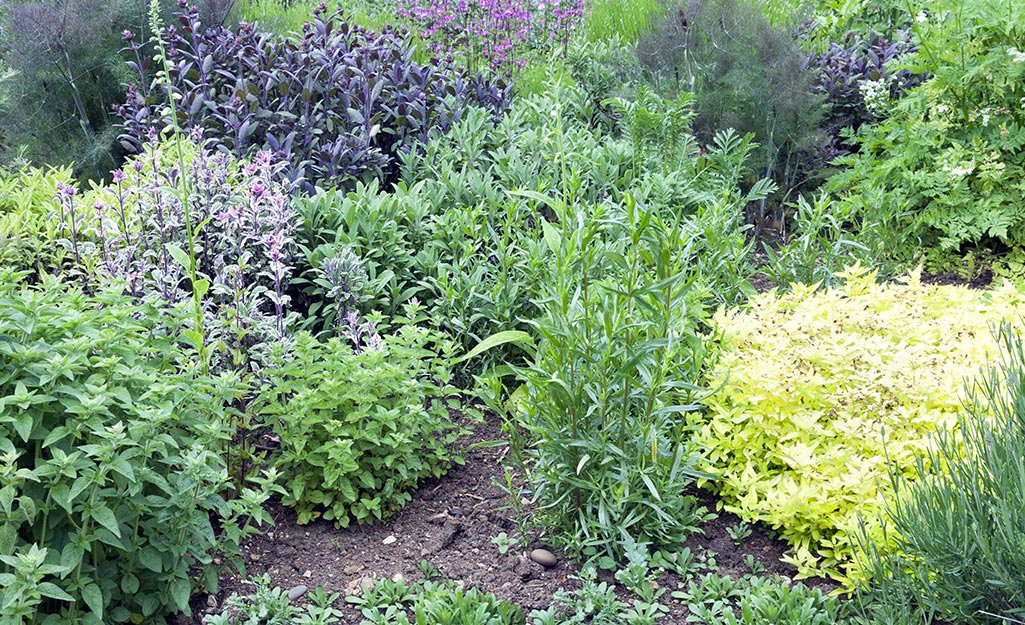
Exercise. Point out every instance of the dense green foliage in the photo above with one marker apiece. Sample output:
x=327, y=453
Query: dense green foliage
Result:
x=110, y=476
x=359, y=243
x=28, y=220
x=947, y=159
x=361, y=422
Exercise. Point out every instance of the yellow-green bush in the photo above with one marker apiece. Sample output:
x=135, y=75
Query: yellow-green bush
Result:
x=821, y=389
x=29, y=223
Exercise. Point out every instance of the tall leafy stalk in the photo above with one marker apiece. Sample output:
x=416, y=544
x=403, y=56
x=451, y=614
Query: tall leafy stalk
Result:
x=188, y=261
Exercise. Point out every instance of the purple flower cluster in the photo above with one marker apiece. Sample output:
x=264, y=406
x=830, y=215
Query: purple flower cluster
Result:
x=243, y=225
x=498, y=33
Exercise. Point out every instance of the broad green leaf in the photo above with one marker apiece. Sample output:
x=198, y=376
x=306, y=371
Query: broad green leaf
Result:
x=93, y=597
x=49, y=589
x=499, y=338
x=180, y=590
x=105, y=517
x=151, y=559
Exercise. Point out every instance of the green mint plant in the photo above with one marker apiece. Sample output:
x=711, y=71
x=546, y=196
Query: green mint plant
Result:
x=97, y=411
x=362, y=420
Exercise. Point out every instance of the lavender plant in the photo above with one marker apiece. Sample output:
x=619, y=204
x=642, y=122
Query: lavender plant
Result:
x=337, y=102
x=496, y=34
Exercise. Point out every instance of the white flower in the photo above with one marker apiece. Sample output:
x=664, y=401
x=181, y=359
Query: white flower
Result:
x=1016, y=55
x=921, y=18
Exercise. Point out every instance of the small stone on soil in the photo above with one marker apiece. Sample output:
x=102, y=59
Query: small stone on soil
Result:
x=389, y=540
x=297, y=592
x=544, y=557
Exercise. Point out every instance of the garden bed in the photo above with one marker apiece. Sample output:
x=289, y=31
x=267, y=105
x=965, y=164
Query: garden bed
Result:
x=450, y=523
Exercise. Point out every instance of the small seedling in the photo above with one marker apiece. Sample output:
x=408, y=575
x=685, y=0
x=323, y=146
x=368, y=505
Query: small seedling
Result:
x=503, y=541
x=427, y=569
x=739, y=533
x=754, y=565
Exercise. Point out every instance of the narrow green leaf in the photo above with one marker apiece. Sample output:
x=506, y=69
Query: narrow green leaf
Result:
x=180, y=592
x=180, y=256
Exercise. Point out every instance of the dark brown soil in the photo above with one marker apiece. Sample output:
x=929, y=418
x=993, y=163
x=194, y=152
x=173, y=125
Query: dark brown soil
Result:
x=450, y=523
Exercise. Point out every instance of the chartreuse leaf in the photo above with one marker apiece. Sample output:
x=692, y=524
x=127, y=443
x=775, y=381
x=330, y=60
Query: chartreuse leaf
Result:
x=822, y=390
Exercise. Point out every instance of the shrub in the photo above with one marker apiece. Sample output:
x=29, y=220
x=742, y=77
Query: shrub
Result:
x=134, y=231
x=947, y=163
x=339, y=103
x=362, y=421
x=859, y=82
x=744, y=75
x=495, y=34
x=820, y=390
x=29, y=227
x=110, y=481
x=955, y=522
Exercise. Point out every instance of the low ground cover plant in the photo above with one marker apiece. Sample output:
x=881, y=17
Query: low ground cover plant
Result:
x=821, y=392
x=428, y=601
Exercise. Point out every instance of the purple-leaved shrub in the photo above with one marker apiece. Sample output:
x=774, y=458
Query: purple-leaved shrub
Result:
x=858, y=81
x=499, y=34
x=336, y=103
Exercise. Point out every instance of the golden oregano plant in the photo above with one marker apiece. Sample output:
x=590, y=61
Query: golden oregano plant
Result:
x=821, y=392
